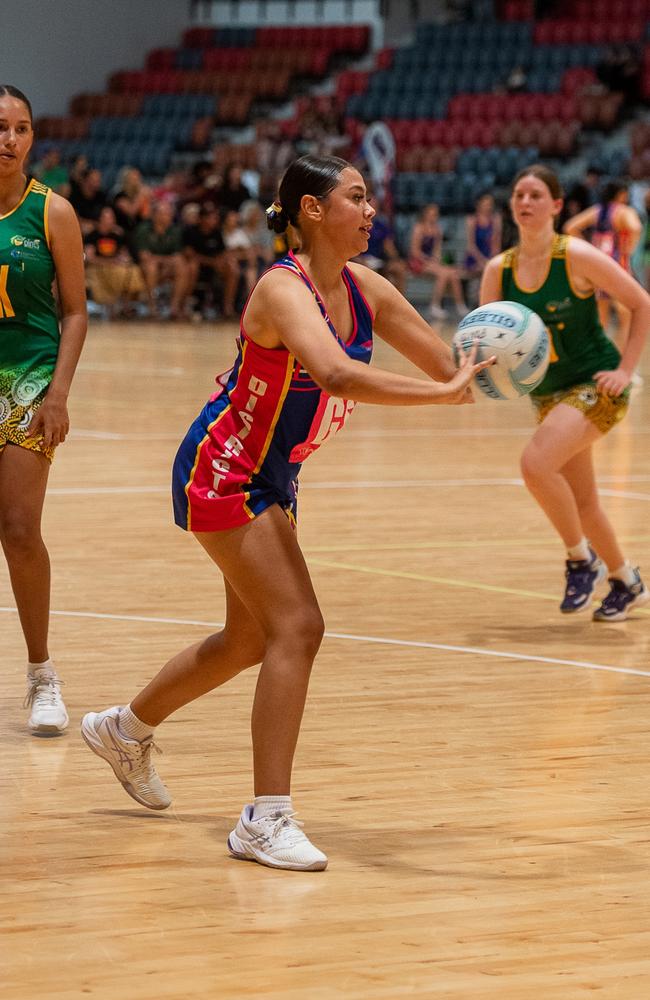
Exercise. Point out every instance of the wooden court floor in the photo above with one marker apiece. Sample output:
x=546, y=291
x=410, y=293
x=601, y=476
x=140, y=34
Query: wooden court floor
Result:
x=474, y=764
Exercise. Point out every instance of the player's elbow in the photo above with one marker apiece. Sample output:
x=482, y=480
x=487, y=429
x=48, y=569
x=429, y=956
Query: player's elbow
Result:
x=337, y=380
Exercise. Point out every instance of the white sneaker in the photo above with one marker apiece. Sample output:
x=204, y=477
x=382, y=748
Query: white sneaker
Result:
x=636, y=380
x=130, y=759
x=462, y=310
x=437, y=312
x=276, y=841
x=48, y=715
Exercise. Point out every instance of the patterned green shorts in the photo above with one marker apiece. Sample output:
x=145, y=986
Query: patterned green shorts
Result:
x=603, y=411
x=14, y=423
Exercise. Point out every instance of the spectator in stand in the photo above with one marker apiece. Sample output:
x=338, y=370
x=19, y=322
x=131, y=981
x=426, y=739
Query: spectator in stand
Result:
x=78, y=170
x=382, y=254
x=196, y=186
x=253, y=221
x=171, y=189
x=114, y=280
x=273, y=151
x=88, y=199
x=240, y=248
x=208, y=263
x=620, y=71
x=233, y=192
x=132, y=203
x=51, y=172
x=581, y=195
x=159, y=247
x=425, y=257
x=482, y=236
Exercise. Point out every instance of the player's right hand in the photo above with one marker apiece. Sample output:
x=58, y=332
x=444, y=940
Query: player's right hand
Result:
x=458, y=389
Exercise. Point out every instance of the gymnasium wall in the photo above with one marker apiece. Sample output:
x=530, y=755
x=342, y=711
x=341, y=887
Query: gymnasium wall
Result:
x=53, y=50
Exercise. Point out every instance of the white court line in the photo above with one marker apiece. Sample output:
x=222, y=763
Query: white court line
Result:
x=376, y=640
x=349, y=434
x=70, y=491
x=114, y=436
x=111, y=368
x=370, y=484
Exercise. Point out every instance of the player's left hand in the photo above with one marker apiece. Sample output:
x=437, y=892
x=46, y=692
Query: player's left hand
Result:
x=50, y=423
x=614, y=382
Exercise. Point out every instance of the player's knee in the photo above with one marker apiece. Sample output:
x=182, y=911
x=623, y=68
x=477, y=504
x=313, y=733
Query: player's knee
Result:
x=302, y=632
x=532, y=468
x=20, y=539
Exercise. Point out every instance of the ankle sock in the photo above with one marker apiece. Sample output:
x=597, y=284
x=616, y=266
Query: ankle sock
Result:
x=47, y=667
x=132, y=727
x=271, y=805
x=579, y=551
x=625, y=573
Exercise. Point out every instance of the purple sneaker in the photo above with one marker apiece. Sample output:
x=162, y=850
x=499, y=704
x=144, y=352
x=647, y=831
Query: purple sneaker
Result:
x=621, y=599
x=582, y=578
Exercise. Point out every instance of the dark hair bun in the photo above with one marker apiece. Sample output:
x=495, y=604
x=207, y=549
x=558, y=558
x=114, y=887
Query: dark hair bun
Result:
x=276, y=218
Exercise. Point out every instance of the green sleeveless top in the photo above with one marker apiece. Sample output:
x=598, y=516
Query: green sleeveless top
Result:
x=29, y=326
x=579, y=345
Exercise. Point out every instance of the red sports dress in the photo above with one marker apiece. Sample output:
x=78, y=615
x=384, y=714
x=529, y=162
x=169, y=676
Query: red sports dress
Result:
x=244, y=450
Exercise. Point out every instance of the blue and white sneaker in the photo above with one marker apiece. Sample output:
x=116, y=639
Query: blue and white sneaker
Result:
x=582, y=578
x=621, y=599
x=276, y=841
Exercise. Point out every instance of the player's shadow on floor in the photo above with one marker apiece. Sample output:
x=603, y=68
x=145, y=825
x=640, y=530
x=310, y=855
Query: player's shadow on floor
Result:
x=566, y=633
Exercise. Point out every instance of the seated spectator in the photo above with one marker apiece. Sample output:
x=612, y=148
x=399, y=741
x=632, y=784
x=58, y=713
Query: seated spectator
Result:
x=51, y=173
x=207, y=261
x=132, y=202
x=159, y=244
x=382, y=254
x=240, y=248
x=88, y=199
x=426, y=258
x=113, y=278
x=253, y=221
x=78, y=170
x=233, y=192
x=482, y=237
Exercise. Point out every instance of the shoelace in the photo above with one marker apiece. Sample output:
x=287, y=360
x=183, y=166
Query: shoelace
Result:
x=43, y=691
x=618, y=596
x=578, y=579
x=287, y=824
x=142, y=753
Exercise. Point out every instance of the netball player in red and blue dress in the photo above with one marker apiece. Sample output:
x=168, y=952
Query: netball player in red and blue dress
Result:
x=615, y=229
x=304, y=347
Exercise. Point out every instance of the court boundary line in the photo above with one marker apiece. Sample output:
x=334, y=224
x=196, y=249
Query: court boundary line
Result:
x=375, y=640
x=365, y=485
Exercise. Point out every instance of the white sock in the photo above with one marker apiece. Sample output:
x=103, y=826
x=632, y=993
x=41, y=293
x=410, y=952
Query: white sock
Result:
x=47, y=667
x=271, y=805
x=132, y=727
x=626, y=574
x=579, y=551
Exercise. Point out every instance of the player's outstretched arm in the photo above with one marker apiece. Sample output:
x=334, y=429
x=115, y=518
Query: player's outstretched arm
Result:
x=398, y=323
x=294, y=321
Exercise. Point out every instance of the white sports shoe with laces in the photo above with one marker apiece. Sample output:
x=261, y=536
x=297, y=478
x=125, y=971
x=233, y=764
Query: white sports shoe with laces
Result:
x=130, y=759
x=48, y=713
x=276, y=841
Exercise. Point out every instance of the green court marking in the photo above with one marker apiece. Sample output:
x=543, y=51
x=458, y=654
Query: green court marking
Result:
x=447, y=581
x=407, y=546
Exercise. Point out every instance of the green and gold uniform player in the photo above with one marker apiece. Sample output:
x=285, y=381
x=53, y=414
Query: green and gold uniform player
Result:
x=40, y=342
x=585, y=391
